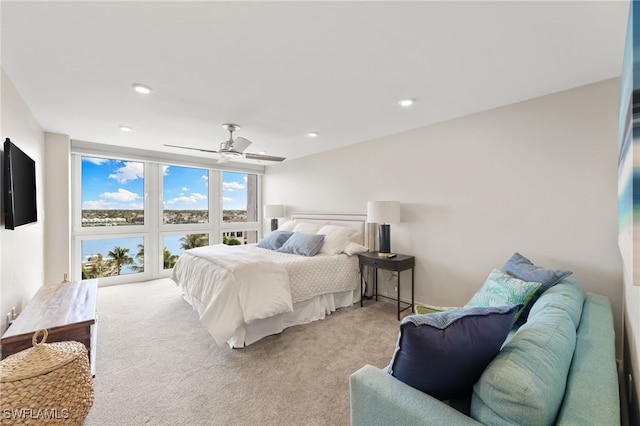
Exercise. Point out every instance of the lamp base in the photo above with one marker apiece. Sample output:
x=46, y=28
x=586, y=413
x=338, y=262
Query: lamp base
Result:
x=386, y=255
x=385, y=238
x=274, y=224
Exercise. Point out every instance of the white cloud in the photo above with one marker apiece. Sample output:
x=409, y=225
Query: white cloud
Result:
x=130, y=171
x=185, y=188
x=188, y=199
x=98, y=205
x=94, y=160
x=228, y=199
x=121, y=195
x=165, y=170
x=232, y=186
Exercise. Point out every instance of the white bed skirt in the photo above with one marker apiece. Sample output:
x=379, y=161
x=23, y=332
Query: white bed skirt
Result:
x=304, y=312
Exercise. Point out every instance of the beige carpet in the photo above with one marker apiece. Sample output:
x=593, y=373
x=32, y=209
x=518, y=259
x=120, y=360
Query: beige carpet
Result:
x=157, y=365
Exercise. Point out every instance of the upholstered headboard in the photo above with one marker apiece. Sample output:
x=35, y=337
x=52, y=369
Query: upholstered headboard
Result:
x=352, y=220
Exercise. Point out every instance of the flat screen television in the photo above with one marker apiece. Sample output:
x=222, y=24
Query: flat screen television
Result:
x=19, y=187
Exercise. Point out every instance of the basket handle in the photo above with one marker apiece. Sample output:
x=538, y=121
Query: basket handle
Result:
x=34, y=339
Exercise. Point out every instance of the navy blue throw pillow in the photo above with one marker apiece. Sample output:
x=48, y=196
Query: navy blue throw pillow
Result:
x=444, y=354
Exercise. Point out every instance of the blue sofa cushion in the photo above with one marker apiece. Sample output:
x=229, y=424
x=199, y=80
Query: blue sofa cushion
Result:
x=443, y=354
x=275, y=240
x=502, y=289
x=525, y=383
x=522, y=268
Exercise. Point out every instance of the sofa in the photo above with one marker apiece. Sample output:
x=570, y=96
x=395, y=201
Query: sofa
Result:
x=558, y=367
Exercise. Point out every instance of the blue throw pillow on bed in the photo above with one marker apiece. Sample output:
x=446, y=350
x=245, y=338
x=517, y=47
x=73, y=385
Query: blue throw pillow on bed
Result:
x=444, y=354
x=275, y=240
x=303, y=244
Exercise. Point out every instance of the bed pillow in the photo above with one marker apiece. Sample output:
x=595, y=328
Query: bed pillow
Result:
x=522, y=268
x=503, y=289
x=444, y=354
x=308, y=228
x=287, y=226
x=336, y=238
x=303, y=244
x=354, y=248
x=275, y=240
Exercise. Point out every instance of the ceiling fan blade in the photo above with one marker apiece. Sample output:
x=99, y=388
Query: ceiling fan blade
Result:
x=192, y=148
x=223, y=159
x=240, y=144
x=250, y=156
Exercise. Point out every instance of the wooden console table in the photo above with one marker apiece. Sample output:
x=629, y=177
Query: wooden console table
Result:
x=67, y=310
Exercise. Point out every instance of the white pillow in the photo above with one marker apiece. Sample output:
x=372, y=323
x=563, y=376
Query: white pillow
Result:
x=355, y=248
x=308, y=228
x=336, y=238
x=287, y=226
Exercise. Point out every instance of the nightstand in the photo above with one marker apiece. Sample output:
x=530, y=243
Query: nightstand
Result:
x=398, y=263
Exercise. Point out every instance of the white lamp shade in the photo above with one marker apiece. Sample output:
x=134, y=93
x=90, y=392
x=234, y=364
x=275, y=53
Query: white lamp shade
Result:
x=273, y=211
x=383, y=211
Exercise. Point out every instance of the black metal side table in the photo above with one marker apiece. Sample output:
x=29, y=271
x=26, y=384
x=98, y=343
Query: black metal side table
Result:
x=398, y=263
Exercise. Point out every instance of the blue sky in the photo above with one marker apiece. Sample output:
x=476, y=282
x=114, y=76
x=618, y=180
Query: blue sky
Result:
x=116, y=184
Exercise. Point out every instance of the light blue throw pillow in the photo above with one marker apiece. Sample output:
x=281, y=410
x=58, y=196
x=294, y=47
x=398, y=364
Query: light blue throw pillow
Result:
x=275, y=240
x=522, y=268
x=502, y=289
x=303, y=244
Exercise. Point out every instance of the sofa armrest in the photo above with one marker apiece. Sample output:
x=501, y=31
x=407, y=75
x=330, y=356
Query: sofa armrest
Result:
x=377, y=398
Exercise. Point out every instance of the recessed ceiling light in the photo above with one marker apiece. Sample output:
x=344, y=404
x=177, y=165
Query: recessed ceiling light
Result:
x=312, y=134
x=141, y=88
x=406, y=102
x=126, y=128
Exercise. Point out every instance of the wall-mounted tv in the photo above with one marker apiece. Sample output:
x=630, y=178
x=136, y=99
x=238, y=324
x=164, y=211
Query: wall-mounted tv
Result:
x=19, y=187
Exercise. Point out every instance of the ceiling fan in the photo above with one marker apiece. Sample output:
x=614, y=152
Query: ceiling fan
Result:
x=233, y=148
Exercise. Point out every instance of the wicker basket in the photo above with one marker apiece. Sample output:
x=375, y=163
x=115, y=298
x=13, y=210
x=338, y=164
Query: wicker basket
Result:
x=48, y=383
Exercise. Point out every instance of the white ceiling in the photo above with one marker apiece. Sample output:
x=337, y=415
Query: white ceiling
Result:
x=283, y=69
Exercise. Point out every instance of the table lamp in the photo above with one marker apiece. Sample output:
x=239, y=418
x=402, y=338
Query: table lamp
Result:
x=383, y=213
x=273, y=212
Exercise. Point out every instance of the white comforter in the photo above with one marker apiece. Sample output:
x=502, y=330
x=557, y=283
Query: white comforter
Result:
x=232, y=285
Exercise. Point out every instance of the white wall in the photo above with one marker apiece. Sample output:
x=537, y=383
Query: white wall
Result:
x=57, y=207
x=21, y=250
x=538, y=177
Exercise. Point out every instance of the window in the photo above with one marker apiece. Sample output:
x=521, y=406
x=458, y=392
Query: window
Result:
x=132, y=219
x=112, y=192
x=239, y=197
x=184, y=191
x=112, y=257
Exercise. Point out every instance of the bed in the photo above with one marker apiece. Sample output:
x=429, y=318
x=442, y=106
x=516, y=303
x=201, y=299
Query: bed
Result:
x=245, y=293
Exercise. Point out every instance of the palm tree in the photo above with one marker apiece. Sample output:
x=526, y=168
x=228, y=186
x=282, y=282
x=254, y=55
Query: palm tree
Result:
x=120, y=257
x=169, y=259
x=190, y=241
x=96, y=267
x=140, y=258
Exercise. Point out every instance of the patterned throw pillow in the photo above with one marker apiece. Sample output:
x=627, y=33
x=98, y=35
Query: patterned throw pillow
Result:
x=502, y=289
